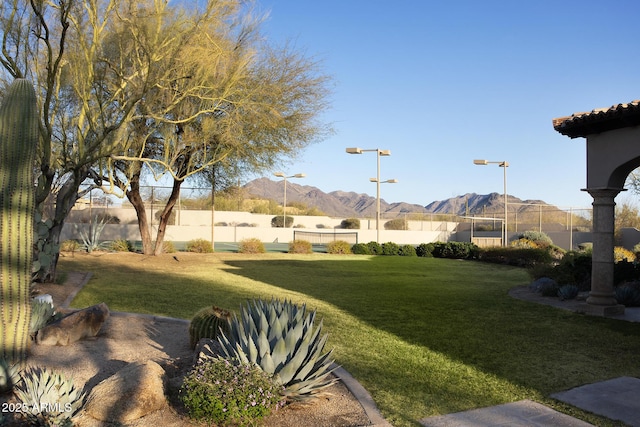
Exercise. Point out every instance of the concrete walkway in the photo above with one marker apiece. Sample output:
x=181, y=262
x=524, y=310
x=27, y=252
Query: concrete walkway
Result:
x=617, y=399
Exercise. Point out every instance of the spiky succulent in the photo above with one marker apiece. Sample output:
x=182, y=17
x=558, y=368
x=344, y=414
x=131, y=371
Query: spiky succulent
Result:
x=280, y=338
x=48, y=398
x=207, y=323
x=41, y=313
x=9, y=375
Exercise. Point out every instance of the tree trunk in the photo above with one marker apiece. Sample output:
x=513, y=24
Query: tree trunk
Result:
x=48, y=231
x=133, y=195
x=166, y=214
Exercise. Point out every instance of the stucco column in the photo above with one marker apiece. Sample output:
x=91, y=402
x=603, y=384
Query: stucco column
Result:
x=602, y=292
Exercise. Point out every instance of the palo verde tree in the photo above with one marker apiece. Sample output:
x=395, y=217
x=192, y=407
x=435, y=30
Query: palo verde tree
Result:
x=234, y=103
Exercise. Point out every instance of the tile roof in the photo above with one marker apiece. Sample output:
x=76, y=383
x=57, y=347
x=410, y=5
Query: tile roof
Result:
x=600, y=120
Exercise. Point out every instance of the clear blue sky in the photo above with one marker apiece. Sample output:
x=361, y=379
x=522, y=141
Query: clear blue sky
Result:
x=440, y=83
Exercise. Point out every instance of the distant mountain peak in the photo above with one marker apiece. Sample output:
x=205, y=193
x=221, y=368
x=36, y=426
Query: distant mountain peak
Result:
x=342, y=203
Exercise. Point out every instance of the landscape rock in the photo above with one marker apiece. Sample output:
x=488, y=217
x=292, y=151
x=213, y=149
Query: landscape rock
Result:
x=206, y=348
x=75, y=326
x=131, y=393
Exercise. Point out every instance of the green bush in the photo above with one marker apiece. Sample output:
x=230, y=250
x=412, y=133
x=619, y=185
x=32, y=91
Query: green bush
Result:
x=425, y=250
x=374, y=248
x=628, y=294
x=350, y=224
x=360, y=249
x=200, y=246
x=338, y=247
x=217, y=391
x=390, y=248
x=121, y=245
x=407, y=250
x=455, y=250
x=549, y=289
x=300, y=247
x=251, y=246
x=515, y=256
x=278, y=221
x=396, y=224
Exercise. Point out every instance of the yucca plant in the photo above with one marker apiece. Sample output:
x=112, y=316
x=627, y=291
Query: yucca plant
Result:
x=48, y=398
x=280, y=338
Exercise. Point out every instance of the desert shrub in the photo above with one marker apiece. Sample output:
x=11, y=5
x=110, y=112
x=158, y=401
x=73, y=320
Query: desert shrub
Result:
x=396, y=224
x=69, y=246
x=622, y=254
x=636, y=249
x=168, y=247
x=299, y=226
x=628, y=294
x=121, y=245
x=300, y=247
x=540, y=238
x=390, y=248
x=425, y=250
x=350, y=224
x=200, y=246
x=279, y=221
x=360, y=249
x=515, y=256
x=374, y=248
x=524, y=244
x=338, y=247
x=574, y=269
x=407, y=250
x=625, y=271
x=251, y=246
x=217, y=391
x=566, y=292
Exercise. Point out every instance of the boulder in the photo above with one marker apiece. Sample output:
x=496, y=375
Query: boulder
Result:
x=74, y=326
x=131, y=393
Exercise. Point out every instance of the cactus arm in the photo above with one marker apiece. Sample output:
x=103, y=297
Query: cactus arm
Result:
x=18, y=142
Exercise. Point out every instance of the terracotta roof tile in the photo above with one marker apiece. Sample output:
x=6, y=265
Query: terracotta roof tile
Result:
x=599, y=120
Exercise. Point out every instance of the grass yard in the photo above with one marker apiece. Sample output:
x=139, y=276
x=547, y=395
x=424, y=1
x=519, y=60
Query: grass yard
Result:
x=424, y=336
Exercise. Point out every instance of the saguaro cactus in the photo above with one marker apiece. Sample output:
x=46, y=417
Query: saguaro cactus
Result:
x=18, y=143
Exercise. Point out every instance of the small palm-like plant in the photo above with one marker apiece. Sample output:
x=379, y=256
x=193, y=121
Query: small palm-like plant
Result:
x=51, y=399
x=280, y=338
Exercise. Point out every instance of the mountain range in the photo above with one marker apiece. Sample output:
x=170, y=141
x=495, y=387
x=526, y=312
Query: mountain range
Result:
x=351, y=204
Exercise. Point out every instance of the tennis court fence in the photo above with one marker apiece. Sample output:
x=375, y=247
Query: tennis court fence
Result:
x=324, y=237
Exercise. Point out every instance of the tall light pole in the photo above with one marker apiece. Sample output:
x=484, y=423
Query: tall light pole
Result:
x=284, y=204
x=379, y=153
x=503, y=164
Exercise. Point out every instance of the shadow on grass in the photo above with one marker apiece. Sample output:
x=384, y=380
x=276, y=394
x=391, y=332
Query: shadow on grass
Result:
x=461, y=309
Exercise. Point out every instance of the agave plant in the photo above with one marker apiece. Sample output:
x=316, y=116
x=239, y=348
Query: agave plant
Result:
x=41, y=313
x=48, y=398
x=280, y=338
x=9, y=375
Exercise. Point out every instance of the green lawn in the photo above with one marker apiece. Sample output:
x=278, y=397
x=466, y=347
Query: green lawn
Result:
x=424, y=336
